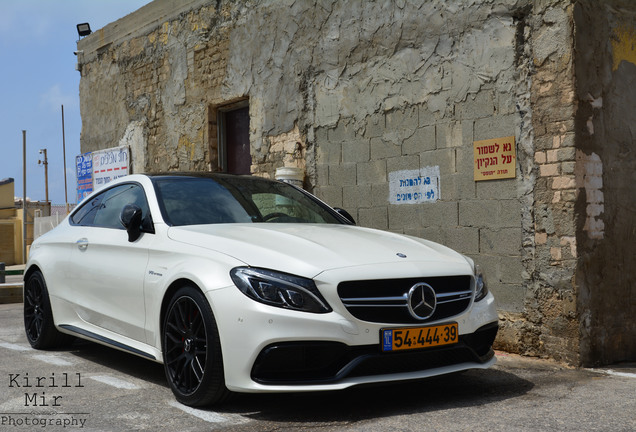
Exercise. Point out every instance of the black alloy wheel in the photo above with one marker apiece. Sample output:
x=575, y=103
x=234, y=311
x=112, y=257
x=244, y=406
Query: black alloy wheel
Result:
x=192, y=350
x=38, y=315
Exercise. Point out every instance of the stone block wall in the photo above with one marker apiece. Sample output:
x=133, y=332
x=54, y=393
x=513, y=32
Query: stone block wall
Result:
x=481, y=220
x=356, y=154
x=152, y=91
x=355, y=91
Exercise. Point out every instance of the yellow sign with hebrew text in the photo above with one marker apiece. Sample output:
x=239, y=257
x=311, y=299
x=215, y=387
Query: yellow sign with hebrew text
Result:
x=495, y=158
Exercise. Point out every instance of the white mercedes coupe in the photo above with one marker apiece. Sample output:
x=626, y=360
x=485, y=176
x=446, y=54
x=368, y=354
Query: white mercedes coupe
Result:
x=241, y=284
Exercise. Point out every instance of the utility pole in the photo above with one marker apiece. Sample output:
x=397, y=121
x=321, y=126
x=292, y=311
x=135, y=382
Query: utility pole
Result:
x=45, y=162
x=64, y=156
x=24, y=201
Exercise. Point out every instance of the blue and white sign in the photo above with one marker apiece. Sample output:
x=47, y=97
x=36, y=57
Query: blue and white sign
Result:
x=84, y=170
x=414, y=186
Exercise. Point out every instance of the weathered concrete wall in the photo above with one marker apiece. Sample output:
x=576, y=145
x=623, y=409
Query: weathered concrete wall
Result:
x=606, y=179
x=354, y=91
x=414, y=90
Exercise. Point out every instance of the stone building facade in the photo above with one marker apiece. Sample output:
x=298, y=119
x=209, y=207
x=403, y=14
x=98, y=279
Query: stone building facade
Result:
x=353, y=91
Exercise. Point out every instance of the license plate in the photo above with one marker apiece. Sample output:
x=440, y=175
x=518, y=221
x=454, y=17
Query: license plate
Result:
x=409, y=338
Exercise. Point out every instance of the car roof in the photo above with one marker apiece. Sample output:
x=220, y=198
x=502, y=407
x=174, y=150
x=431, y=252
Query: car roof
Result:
x=200, y=174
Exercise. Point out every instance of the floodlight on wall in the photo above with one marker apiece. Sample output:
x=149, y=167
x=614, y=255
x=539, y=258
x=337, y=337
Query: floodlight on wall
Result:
x=83, y=29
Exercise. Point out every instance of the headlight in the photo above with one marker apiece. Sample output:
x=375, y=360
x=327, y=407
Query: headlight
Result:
x=279, y=289
x=481, y=290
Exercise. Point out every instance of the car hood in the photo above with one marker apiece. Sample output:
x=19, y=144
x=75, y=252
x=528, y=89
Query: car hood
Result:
x=308, y=249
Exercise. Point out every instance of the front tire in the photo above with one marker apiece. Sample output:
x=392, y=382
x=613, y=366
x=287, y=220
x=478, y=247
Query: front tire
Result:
x=192, y=350
x=38, y=315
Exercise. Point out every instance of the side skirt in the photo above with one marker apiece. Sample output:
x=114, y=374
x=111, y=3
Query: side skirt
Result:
x=104, y=340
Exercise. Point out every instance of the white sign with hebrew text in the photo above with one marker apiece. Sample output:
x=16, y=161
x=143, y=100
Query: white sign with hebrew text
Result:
x=414, y=186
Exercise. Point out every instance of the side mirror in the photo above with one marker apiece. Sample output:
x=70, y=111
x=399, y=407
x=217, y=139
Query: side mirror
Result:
x=131, y=219
x=345, y=214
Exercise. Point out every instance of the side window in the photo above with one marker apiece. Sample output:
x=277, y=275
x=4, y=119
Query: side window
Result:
x=86, y=213
x=114, y=200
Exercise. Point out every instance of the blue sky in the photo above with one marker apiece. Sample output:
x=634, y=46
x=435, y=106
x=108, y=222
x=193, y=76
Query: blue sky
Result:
x=38, y=76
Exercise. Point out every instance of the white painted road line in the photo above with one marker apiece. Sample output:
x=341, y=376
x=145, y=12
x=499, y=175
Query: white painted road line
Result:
x=208, y=416
x=115, y=382
x=14, y=347
x=52, y=359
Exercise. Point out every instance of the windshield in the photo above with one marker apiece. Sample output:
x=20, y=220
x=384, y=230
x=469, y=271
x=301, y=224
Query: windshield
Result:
x=230, y=199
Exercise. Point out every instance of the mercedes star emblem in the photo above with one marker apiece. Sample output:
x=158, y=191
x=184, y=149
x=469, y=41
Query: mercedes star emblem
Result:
x=421, y=301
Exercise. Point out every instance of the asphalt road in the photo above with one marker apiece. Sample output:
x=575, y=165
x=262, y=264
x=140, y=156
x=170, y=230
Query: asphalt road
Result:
x=93, y=388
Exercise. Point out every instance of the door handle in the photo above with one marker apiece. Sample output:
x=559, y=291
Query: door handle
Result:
x=82, y=244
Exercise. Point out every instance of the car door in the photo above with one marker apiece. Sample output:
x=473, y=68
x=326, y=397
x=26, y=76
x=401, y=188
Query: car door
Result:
x=107, y=271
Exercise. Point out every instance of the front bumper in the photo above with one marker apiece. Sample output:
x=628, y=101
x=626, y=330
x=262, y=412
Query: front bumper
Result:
x=310, y=363
x=269, y=349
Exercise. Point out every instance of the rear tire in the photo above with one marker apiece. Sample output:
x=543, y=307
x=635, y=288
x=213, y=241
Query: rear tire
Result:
x=192, y=350
x=38, y=315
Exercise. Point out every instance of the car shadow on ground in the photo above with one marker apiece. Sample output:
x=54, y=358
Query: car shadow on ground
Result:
x=465, y=389
x=120, y=361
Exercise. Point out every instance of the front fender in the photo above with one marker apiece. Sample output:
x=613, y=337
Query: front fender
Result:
x=169, y=270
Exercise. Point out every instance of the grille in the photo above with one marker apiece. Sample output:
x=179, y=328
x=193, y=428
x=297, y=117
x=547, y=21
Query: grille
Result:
x=386, y=300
